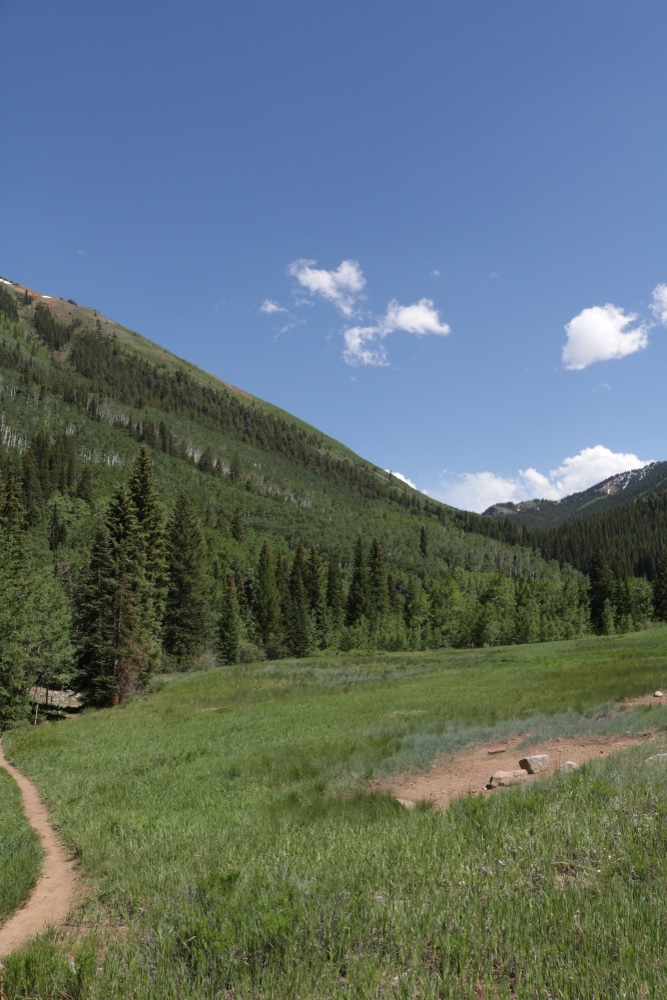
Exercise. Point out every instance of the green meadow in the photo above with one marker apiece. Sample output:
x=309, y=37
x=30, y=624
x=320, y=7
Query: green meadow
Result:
x=231, y=847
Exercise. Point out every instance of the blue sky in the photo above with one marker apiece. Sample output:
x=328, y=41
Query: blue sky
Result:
x=436, y=230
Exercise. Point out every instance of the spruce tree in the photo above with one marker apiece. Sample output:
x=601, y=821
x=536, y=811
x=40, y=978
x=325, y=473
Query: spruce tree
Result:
x=377, y=589
x=601, y=592
x=314, y=584
x=229, y=633
x=93, y=623
x=358, y=594
x=299, y=636
x=660, y=587
x=335, y=593
x=144, y=494
x=14, y=616
x=136, y=627
x=266, y=596
x=186, y=620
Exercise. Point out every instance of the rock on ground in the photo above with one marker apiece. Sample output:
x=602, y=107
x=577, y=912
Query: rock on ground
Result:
x=535, y=764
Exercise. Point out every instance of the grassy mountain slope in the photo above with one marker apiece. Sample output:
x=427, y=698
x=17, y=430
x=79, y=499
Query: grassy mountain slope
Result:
x=67, y=369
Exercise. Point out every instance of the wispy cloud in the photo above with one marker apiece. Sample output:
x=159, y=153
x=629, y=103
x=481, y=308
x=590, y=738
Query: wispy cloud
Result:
x=343, y=287
x=659, y=303
x=435, y=273
x=479, y=490
x=601, y=333
x=269, y=306
x=363, y=344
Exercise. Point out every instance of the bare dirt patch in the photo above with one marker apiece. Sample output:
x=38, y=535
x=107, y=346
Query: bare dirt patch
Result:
x=53, y=896
x=469, y=771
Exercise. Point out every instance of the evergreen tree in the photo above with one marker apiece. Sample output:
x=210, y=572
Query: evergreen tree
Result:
x=358, y=602
x=142, y=488
x=57, y=529
x=423, y=541
x=314, y=584
x=12, y=511
x=602, y=588
x=266, y=596
x=229, y=639
x=186, y=625
x=85, y=490
x=14, y=617
x=135, y=625
x=378, y=604
x=660, y=587
x=299, y=635
x=335, y=592
x=93, y=623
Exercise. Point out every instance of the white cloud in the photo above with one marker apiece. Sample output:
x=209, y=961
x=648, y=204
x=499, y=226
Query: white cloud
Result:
x=435, y=273
x=342, y=287
x=269, y=306
x=399, y=475
x=363, y=344
x=659, y=303
x=599, y=334
x=479, y=490
x=420, y=318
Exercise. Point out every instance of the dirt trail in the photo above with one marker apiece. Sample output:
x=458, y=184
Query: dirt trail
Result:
x=52, y=897
x=469, y=770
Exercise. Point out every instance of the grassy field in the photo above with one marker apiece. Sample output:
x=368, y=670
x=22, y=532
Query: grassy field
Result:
x=20, y=851
x=233, y=851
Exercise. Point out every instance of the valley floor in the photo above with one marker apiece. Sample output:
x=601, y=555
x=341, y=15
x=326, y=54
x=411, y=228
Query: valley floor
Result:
x=237, y=824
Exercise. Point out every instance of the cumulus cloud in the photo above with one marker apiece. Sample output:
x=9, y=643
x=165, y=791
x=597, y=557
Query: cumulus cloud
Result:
x=479, y=490
x=599, y=334
x=363, y=344
x=269, y=306
x=342, y=287
x=659, y=303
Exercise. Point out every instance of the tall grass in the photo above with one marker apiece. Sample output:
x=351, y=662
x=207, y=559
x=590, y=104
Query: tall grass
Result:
x=224, y=821
x=20, y=850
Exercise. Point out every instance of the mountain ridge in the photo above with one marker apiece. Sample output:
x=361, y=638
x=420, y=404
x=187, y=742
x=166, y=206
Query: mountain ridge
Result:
x=609, y=494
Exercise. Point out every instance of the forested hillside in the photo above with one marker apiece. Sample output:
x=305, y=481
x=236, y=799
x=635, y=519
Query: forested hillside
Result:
x=154, y=517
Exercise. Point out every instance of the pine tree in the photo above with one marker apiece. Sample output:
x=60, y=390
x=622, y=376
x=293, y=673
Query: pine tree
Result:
x=358, y=594
x=377, y=589
x=660, y=587
x=144, y=494
x=229, y=638
x=602, y=587
x=186, y=620
x=299, y=635
x=314, y=584
x=14, y=604
x=136, y=627
x=84, y=489
x=335, y=593
x=12, y=511
x=266, y=596
x=93, y=623
x=423, y=542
